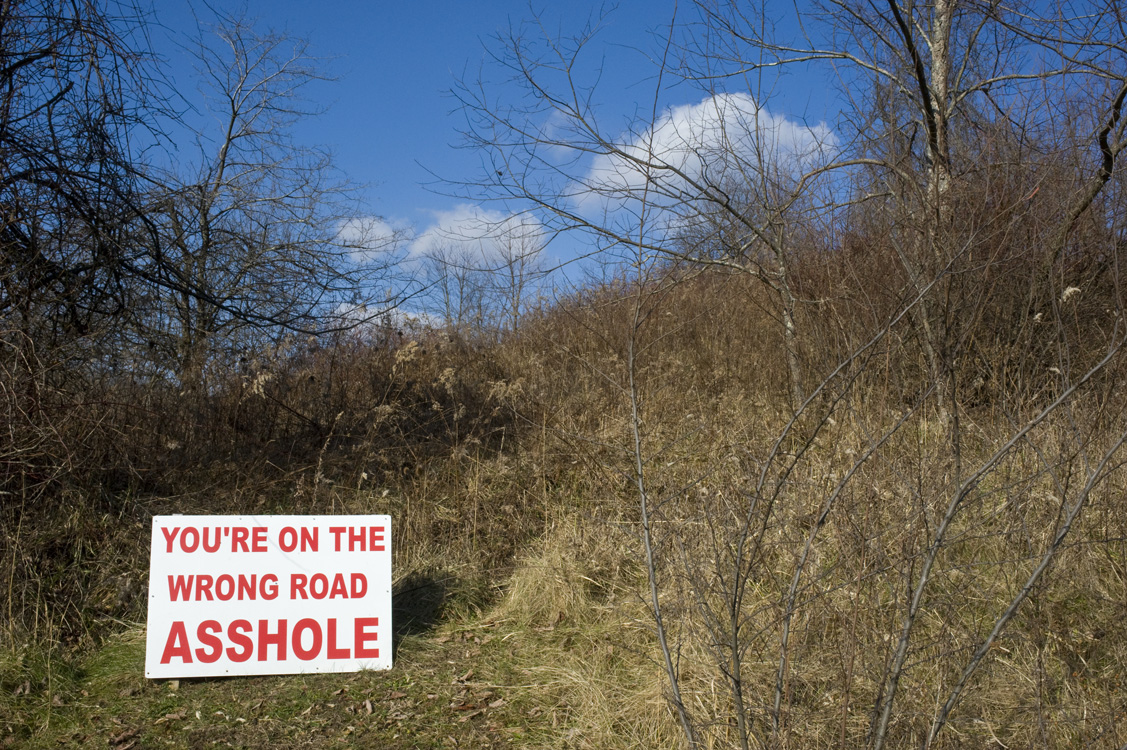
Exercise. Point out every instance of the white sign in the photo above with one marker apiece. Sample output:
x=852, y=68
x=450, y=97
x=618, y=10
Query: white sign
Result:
x=253, y=595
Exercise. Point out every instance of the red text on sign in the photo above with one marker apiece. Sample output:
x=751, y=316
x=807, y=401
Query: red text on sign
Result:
x=358, y=538
x=289, y=539
x=235, y=538
x=225, y=587
x=317, y=586
x=306, y=641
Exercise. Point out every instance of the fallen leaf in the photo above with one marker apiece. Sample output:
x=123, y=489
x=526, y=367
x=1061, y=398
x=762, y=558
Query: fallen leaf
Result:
x=497, y=703
x=469, y=716
x=396, y=695
x=368, y=707
x=128, y=692
x=117, y=740
x=466, y=676
x=172, y=717
x=56, y=701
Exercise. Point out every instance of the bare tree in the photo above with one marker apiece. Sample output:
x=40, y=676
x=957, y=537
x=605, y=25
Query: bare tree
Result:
x=459, y=285
x=74, y=89
x=516, y=270
x=480, y=273
x=71, y=91
x=254, y=232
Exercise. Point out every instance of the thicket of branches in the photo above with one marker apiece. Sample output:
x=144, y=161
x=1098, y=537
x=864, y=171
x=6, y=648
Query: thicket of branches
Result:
x=940, y=266
x=136, y=278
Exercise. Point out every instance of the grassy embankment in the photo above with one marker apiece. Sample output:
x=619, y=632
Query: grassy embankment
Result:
x=522, y=603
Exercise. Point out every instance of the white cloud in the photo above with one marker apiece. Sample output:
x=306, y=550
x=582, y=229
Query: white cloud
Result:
x=369, y=237
x=367, y=319
x=477, y=233
x=724, y=138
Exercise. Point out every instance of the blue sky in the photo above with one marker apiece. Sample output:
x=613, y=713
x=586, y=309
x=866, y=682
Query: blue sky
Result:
x=390, y=116
x=390, y=119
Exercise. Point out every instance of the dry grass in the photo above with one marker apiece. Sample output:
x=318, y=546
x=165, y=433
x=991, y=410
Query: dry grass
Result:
x=583, y=636
x=508, y=469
